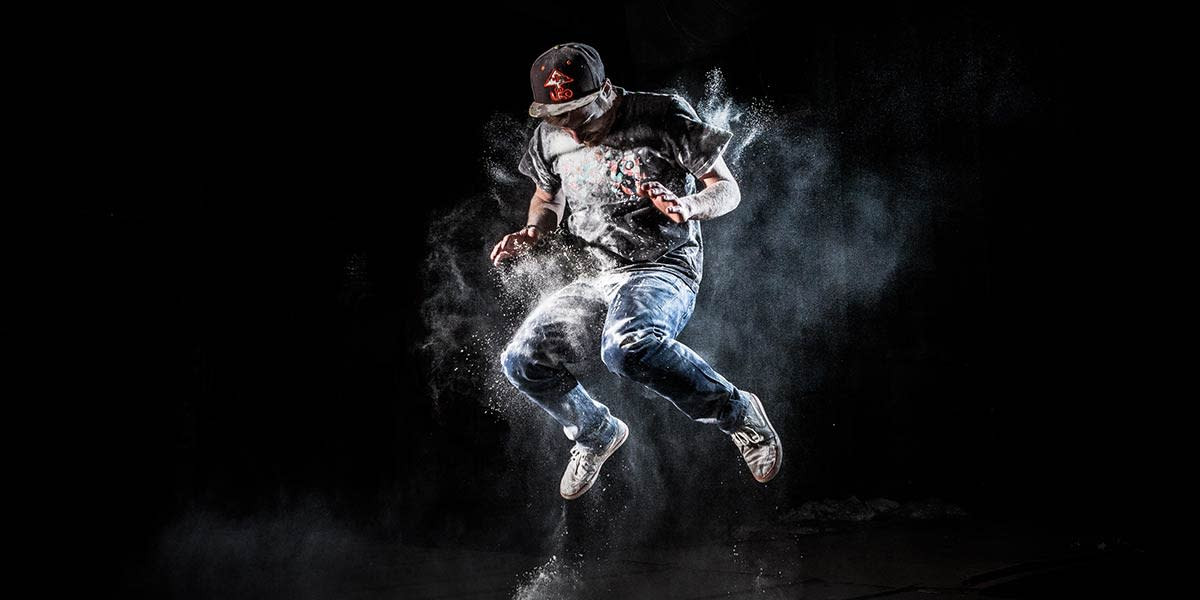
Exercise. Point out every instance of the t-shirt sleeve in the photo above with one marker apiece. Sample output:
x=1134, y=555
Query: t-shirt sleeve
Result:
x=695, y=145
x=535, y=165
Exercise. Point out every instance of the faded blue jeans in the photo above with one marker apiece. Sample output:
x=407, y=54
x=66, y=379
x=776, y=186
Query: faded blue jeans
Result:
x=630, y=320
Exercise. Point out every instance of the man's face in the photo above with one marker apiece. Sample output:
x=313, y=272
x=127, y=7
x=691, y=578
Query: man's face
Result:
x=577, y=123
x=584, y=123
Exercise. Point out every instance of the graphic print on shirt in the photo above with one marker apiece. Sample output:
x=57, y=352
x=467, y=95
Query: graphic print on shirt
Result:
x=601, y=185
x=621, y=168
x=625, y=172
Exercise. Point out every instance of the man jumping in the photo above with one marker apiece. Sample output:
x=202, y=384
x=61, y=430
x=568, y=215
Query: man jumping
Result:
x=616, y=158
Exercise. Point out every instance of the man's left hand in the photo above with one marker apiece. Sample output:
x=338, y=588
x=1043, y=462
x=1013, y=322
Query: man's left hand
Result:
x=675, y=208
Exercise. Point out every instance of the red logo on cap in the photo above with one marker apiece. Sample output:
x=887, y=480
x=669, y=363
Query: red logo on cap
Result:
x=557, y=80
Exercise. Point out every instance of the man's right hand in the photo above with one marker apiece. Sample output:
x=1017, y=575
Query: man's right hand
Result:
x=514, y=244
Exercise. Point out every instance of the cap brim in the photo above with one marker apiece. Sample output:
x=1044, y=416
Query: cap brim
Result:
x=538, y=109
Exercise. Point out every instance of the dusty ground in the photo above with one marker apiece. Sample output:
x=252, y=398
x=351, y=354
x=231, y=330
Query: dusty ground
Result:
x=957, y=558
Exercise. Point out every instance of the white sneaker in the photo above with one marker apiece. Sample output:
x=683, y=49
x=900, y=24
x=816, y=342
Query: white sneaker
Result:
x=585, y=464
x=758, y=442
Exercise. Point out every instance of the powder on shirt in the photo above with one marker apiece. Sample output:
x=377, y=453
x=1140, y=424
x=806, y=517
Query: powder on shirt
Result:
x=653, y=137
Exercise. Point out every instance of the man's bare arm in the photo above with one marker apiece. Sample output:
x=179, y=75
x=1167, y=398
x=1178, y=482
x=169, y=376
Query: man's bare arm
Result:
x=545, y=211
x=719, y=196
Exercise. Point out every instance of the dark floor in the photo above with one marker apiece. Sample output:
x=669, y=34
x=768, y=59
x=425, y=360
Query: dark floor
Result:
x=903, y=559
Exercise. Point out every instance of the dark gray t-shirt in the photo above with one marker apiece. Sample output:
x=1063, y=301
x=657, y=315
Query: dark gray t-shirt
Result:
x=654, y=137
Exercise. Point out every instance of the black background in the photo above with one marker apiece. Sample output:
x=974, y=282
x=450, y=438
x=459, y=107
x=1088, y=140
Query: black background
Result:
x=223, y=361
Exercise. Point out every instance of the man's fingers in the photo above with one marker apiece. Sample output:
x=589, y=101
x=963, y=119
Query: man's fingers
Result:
x=510, y=246
x=646, y=188
x=655, y=190
x=504, y=244
x=500, y=246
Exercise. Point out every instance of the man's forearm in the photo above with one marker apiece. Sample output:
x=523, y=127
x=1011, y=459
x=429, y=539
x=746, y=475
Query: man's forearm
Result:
x=543, y=214
x=713, y=201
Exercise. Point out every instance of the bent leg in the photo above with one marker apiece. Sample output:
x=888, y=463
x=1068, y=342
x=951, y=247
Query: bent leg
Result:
x=563, y=328
x=646, y=312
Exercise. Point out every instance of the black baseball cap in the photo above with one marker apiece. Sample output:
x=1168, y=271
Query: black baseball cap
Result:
x=564, y=78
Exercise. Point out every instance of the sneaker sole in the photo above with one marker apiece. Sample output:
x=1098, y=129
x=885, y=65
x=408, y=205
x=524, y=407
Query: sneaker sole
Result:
x=622, y=435
x=778, y=443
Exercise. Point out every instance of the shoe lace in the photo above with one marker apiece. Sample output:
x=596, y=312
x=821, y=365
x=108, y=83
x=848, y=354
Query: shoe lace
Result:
x=579, y=458
x=747, y=437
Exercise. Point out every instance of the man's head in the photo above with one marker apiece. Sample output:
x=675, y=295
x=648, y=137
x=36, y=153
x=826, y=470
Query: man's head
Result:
x=570, y=90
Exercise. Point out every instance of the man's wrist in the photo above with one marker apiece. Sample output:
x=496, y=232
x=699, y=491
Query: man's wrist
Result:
x=688, y=203
x=534, y=226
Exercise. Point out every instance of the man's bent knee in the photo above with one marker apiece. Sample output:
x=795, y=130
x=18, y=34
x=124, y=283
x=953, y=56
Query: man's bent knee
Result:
x=514, y=360
x=625, y=354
